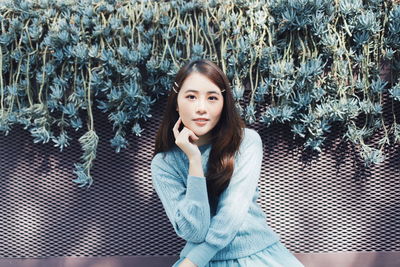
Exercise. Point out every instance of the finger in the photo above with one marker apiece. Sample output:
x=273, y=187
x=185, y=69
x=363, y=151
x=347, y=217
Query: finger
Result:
x=192, y=134
x=176, y=127
x=183, y=135
x=189, y=133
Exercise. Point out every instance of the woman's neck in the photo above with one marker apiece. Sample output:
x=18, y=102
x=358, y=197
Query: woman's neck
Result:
x=203, y=140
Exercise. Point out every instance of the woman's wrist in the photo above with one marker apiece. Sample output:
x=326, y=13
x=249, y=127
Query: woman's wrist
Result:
x=195, y=166
x=195, y=159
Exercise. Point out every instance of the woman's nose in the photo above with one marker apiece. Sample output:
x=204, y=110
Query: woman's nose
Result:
x=200, y=105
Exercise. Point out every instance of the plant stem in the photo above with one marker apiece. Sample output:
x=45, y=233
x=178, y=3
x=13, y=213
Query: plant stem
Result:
x=1, y=83
x=43, y=75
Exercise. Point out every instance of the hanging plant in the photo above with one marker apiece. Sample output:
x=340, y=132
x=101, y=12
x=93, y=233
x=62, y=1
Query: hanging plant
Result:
x=308, y=64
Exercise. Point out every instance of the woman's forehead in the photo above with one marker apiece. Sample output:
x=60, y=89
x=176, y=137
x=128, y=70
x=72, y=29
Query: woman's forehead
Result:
x=197, y=91
x=197, y=82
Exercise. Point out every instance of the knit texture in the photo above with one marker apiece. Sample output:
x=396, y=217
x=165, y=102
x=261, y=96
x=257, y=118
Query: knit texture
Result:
x=238, y=228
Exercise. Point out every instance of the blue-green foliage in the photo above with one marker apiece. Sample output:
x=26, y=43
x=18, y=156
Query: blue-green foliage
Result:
x=306, y=63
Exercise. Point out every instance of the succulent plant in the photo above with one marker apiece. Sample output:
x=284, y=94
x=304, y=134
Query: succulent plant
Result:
x=307, y=63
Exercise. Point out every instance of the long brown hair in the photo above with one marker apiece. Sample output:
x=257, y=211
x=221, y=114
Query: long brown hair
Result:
x=226, y=136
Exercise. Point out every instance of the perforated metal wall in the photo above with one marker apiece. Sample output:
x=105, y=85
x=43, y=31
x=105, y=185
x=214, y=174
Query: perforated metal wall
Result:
x=322, y=203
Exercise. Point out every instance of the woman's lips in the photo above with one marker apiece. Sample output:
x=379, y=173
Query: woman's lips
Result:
x=201, y=122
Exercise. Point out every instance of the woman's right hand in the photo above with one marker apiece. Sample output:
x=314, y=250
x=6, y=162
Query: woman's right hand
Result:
x=187, y=263
x=182, y=140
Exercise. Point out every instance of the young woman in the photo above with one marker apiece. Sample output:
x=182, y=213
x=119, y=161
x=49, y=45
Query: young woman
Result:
x=205, y=170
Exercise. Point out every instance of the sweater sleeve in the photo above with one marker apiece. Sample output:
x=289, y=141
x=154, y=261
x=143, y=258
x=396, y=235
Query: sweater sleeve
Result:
x=233, y=204
x=186, y=207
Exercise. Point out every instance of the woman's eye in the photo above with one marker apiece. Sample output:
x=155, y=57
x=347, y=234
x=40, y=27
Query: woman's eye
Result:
x=211, y=97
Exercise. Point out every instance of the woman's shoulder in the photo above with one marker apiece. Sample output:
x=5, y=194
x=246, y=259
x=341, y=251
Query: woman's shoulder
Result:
x=251, y=139
x=164, y=159
x=251, y=136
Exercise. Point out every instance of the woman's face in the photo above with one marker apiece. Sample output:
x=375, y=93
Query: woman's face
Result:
x=199, y=98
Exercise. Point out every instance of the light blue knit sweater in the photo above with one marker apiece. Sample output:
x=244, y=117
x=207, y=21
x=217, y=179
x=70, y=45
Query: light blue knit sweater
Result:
x=239, y=227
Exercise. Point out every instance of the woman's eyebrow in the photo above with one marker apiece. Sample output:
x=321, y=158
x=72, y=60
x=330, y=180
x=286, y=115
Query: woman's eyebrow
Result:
x=195, y=91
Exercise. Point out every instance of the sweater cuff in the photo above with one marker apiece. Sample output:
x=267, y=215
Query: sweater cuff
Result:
x=196, y=188
x=202, y=254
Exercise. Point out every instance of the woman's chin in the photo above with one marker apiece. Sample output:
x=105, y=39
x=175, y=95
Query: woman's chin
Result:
x=199, y=132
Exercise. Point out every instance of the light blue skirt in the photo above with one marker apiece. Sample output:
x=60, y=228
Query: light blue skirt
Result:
x=276, y=255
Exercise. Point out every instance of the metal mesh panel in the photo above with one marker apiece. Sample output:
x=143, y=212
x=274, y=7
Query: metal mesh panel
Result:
x=317, y=203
